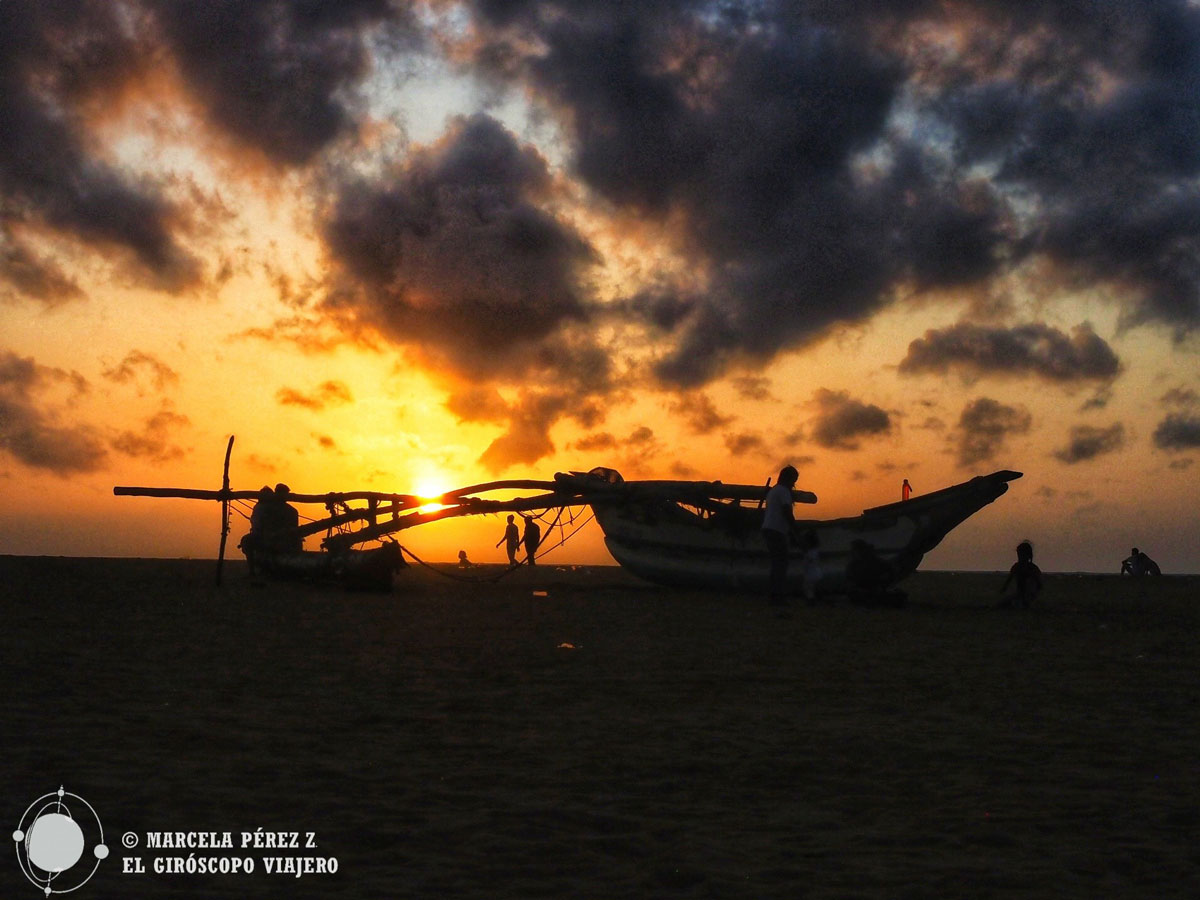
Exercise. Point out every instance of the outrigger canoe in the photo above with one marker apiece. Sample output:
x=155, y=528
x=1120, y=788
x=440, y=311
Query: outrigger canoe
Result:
x=720, y=544
x=677, y=533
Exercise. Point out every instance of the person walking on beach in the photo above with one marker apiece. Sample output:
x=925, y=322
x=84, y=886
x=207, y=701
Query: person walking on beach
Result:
x=777, y=532
x=511, y=540
x=905, y=490
x=532, y=537
x=1027, y=576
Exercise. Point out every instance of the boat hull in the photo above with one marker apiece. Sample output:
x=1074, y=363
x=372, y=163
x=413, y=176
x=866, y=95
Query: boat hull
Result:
x=673, y=545
x=366, y=570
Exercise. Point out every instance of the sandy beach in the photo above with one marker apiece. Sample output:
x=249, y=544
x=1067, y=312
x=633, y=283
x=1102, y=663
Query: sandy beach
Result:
x=573, y=732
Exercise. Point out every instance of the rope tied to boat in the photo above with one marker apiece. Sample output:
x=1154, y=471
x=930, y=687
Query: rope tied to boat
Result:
x=491, y=579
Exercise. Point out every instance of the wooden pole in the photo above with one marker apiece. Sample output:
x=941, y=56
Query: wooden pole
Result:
x=224, y=510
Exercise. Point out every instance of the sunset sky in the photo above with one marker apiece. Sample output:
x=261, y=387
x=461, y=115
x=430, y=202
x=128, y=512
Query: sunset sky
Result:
x=412, y=246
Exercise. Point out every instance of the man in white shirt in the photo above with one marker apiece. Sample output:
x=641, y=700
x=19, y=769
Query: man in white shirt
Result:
x=777, y=531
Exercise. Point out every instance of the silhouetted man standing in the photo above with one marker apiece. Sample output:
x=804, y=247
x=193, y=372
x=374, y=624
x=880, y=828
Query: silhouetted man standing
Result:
x=533, y=537
x=777, y=531
x=511, y=541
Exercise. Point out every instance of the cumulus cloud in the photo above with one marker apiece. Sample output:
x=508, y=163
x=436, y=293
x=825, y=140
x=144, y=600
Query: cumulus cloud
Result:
x=841, y=421
x=699, y=412
x=453, y=250
x=138, y=364
x=328, y=393
x=985, y=426
x=1087, y=442
x=527, y=435
x=1178, y=431
x=601, y=440
x=32, y=431
x=1032, y=349
x=478, y=404
x=154, y=442
x=744, y=442
x=818, y=159
x=1181, y=398
x=34, y=276
x=56, y=57
x=752, y=387
x=276, y=74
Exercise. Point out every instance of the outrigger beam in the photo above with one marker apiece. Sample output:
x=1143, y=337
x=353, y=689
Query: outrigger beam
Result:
x=409, y=510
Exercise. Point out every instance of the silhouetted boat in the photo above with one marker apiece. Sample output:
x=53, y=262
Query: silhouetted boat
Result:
x=693, y=533
x=366, y=569
x=717, y=544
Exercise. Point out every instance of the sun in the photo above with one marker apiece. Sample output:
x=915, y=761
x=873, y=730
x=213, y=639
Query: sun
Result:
x=430, y=486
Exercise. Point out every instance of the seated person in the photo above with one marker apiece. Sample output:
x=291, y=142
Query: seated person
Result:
x=1139, y=563
x=870, y=576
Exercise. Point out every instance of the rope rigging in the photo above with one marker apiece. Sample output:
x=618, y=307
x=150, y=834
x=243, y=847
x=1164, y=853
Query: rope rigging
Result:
x=491, y=579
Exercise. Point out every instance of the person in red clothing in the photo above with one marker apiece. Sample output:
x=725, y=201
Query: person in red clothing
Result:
x=905, y=490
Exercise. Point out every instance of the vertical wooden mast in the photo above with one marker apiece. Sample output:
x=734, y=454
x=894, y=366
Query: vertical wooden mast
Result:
x=224, y=510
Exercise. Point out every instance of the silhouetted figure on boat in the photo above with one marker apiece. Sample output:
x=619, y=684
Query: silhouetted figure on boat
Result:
x=905, y=490
x=532, y=537
x=273, y=523
x=463, y=562
x=1028, y=578
x=777, y=525
x=511, y=540
x=1138, y=563
x=255, y=539
x=286, y=521
x=870, y=576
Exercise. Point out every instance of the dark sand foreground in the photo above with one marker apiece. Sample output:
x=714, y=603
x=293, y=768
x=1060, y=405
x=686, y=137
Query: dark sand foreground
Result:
x=442, y=742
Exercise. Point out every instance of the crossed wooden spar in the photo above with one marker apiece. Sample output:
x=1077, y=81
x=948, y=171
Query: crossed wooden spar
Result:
x=388, y=513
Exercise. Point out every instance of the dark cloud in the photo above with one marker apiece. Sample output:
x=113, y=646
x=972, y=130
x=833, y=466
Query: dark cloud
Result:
x=698, y=410
x=527, y=436
x=1098, y=400
x=1181, y=398
x=138, y=364
x=602, y=440
x=1095, y=116
x=744, y=442
x=641, y=438
x=453, y=254
x=1178, y=431
x=277, y=74
x=821, y=159
x=643, y=434
x=753, y=387
x=55, y=57
x=478, y=404
x=328, y=393
x=154, y=442
x=34, y=276
x=1087, y=442
x=842, y=420
x=31, y=431
x=1032, y=349
x=984, y=428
